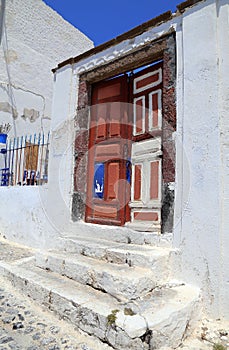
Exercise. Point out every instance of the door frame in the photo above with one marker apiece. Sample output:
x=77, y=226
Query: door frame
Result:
x=163, y=49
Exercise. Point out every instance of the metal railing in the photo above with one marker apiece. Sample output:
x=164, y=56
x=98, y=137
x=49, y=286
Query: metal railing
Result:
x=25, y=161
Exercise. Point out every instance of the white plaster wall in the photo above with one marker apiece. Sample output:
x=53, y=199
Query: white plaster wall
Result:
x=223, y=50
x=61, y=166
x=23, y=218
x=200, y=226
x=43, y=213
x=35, y=40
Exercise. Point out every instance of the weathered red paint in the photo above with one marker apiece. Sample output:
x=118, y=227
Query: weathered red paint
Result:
x=137, y=182
x=113, y=170
x=145, y=216
x=143, y=83
x=154, y=115
x=154, y=180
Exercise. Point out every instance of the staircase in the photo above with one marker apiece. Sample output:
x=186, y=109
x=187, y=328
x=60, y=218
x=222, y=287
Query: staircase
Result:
x=120, y=292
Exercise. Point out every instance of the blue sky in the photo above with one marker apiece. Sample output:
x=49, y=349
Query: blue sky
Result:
x=103, y=20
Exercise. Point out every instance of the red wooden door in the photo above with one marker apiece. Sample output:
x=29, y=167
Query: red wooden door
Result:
x=107, y=187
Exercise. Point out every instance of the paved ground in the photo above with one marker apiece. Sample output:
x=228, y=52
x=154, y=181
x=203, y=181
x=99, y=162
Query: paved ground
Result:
x=26, y=326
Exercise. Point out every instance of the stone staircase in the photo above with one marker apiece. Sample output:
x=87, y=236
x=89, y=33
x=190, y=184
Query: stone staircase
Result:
x=120, y=292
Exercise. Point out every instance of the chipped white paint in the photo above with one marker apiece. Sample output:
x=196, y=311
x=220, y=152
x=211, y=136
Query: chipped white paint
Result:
x=125, y=47
x=146, y=178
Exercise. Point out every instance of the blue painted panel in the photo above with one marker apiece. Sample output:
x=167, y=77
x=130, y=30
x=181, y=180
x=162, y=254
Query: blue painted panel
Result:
x=98, y=189
x=128, y=171
x=3, y=138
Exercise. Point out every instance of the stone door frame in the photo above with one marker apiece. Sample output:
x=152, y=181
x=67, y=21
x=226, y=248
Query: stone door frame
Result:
x=163, y=49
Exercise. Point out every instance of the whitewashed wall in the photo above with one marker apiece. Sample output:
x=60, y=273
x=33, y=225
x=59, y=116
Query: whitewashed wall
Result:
x=35, y=40
x=223, y=45
x=38, y=215
x=202, y=152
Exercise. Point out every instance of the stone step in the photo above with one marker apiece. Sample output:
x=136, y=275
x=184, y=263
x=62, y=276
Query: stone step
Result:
x=121, y=234
x=119, y=253
x=159, y=319
x=121, y=281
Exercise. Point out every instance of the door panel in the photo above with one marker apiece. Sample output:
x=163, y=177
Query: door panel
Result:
x=147, y=80
x=105, y=151
x=107, y=193
x=113, y=176
x=155, y=110
x=109, y=91
x=146, y=216
x=139, y=115
x=154, y=180
x=104, y=212
x=146, y=149
x=115, y=127
x=137, y=182
x=101, y=126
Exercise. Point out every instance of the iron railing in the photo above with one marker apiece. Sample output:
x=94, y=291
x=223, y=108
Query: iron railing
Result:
x=25, y=161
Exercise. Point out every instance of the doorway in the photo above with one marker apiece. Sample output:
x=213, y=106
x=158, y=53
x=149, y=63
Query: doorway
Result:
x=124, y=165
